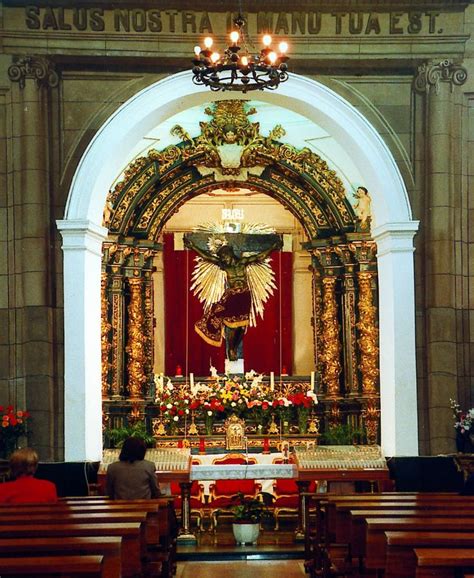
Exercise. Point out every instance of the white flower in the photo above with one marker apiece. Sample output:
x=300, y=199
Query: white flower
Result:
x=176, y=418
x=233, y=404
x=169, y=405
x=209, y=412
x=186, y=411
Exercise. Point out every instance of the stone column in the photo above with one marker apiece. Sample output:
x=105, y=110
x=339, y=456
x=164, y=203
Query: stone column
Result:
x=444, y=301
x=35, y=371
x=398, y=395
x=82, y=247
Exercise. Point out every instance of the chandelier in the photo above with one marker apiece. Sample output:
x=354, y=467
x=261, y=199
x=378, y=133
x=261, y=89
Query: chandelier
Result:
x=237, y=69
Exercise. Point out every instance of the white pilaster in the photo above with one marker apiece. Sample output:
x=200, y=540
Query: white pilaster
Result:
x=82, y=247
x=398, y=396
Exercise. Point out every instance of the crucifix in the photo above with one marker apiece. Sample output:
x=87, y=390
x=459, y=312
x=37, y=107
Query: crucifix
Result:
x=233, y=278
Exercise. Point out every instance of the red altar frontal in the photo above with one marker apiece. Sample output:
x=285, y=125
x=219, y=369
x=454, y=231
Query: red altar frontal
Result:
x=314, y=470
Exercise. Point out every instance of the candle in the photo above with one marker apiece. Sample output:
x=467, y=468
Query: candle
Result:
x=191, y=382
x=272, y=381
x=311, y=387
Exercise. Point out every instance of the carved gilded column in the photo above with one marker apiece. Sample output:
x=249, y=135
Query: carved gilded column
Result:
x=317, y=301
x=149, y=327
x=351, y=382
x=115, y=257
x=330, y=331
x=369, y=355
x=105, y=340
x=136, y=340
x=331, y=336
x=368, y=335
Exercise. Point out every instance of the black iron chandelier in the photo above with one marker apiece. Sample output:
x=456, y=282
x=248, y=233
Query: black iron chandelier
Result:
x=237, y=69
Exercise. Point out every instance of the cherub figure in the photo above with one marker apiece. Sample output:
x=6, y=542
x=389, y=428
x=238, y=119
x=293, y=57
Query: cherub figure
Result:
x=363, y=207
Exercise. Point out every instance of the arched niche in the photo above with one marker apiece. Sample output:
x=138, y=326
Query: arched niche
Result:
x=83, y=234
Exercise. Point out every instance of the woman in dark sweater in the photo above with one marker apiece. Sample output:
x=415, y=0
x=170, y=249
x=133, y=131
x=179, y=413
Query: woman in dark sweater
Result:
x=132, y=477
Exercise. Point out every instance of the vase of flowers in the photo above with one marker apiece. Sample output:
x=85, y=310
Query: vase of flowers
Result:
x=463, y=426
x=12, y=428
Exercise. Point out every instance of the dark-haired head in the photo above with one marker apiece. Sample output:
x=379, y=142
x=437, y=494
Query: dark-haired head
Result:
x=133, y=450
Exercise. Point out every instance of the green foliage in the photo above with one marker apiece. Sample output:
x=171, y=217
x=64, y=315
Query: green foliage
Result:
x=117, y=436
x=249, y=510
x=343, y=435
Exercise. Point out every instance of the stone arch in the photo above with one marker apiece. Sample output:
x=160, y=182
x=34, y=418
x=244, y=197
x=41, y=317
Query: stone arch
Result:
x=83, y=235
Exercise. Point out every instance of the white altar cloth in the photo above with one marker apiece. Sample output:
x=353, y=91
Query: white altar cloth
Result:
x=242, y=472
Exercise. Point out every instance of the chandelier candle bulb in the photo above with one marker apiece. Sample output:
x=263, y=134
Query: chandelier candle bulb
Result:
x=235, y=68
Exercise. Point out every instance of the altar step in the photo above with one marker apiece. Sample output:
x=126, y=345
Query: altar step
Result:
x=222, y=547
x=243, y=553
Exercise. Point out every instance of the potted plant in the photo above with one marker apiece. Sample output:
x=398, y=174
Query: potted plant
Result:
x=117, y=436
x=248, y=513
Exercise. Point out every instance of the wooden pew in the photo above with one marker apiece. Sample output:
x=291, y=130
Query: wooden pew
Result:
x=400, y=560
x=374, y=548
x=100, y=512
x=162, y=551
x=359, y=518
x=83, y=566
x=160, y=529
x=339, y=519
x=345, y=520
x=107, y=546
x=444, y=562
x=133, y=538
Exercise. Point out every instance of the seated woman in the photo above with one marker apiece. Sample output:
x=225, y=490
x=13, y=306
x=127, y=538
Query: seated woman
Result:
x=25, y=488
x=132, y=477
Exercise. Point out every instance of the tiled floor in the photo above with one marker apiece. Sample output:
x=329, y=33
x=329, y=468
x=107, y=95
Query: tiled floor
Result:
x=242, y=569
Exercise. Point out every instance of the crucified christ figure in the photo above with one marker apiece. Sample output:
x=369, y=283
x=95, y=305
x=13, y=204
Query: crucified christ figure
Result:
x=230, y=314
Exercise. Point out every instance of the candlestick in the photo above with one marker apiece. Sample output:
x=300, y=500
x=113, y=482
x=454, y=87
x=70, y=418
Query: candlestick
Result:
x=312, y=381
x=272, y=381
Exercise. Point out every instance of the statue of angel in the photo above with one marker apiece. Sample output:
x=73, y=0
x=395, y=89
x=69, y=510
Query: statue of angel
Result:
x=233, y=289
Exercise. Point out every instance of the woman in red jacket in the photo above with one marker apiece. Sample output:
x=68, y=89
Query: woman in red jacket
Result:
x=25, y=488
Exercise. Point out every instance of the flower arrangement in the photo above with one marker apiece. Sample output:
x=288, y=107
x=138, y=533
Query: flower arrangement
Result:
x=463, y=424
x=12, y=428
x=463, y=421
x=221, y=397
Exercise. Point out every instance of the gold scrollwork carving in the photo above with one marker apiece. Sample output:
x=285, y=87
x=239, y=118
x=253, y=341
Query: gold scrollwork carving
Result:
x=229, y=131
x=371, y=415
x=368, y=335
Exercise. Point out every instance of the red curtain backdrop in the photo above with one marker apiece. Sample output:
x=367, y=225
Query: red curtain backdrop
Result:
x=267, y=347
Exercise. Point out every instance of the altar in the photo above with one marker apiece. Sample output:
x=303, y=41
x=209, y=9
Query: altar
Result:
x=330, y=464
